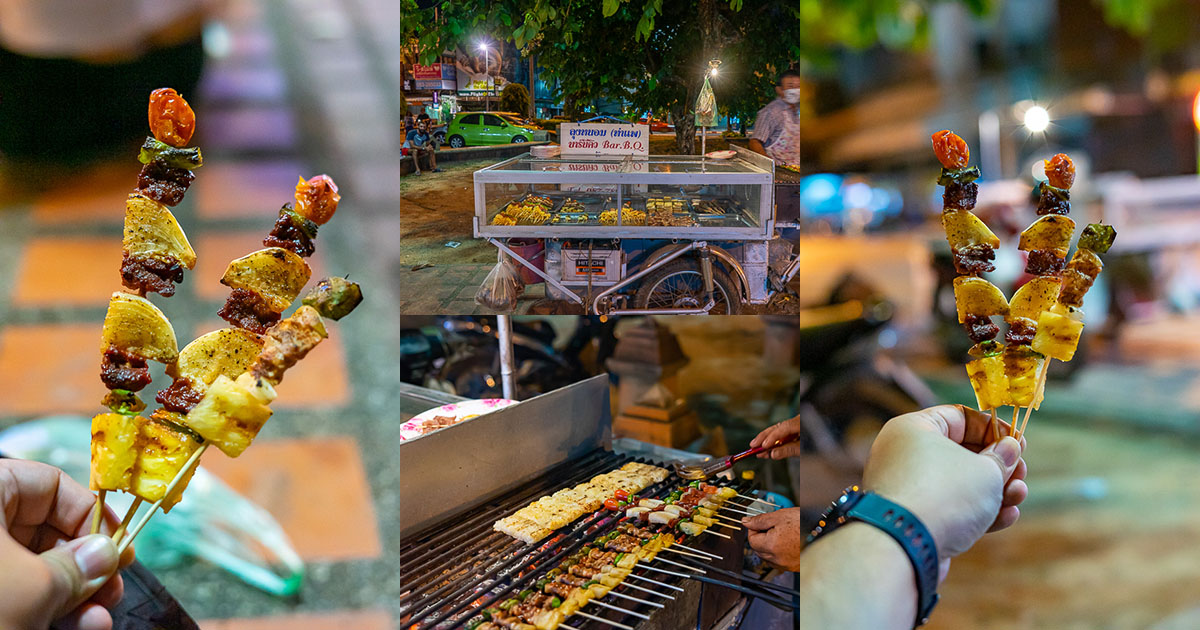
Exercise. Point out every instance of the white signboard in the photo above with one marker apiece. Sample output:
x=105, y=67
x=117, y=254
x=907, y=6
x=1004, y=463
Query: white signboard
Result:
x=604, y=139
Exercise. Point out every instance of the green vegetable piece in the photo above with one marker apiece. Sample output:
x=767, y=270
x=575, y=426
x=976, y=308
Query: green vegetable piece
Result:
x=694, y=484
x=334, y=298
x=1097, y=237
x=960, y=175
x=541, y=584
x=488, y=613
x=187, y=159
x=555, y=602
x=989, y=348
x=305, y=225
x=124, y=402
x=524, y=595
x=508, y=603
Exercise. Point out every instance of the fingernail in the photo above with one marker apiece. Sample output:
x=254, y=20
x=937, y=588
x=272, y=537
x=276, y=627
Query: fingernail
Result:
x=1009, y=450
x=96, y=556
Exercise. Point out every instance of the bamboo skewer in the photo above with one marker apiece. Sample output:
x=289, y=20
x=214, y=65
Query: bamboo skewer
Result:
x=994, y=423
x=1037, y=392
x=654, y=581
x=614, y=593
x=680, y=564
x=646, y=590
x=709, y=531
x=188, y=466
x=624, y=610
x=687, y=553
x=699, y=551
x=125, y=521
x=99, y=516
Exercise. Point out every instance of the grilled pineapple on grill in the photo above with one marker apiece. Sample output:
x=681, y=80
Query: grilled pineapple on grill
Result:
x=114, y=451
x=151, y=231
x=162, y=450
x=232, y=412
x=135, y=325
x=275, y=274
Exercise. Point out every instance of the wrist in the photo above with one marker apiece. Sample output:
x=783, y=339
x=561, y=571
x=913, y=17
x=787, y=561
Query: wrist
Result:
x=854, y=559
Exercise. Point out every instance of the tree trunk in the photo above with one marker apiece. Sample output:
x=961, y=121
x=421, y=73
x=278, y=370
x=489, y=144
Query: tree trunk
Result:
x=532, y=93
x=685, y=127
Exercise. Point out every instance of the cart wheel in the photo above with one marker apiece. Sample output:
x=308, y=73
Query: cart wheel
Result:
x=680, y=285
x=457, y=142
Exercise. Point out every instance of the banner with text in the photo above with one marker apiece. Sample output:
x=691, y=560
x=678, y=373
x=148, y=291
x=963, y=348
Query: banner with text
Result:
x=604, y=139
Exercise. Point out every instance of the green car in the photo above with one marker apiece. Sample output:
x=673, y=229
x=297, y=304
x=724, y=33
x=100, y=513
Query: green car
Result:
x=475, y=128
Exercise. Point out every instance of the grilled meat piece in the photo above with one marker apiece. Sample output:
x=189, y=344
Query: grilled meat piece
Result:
x=1046, y=262
x=560, y=589
x=1020, y=331
x=180, y=397
x=572, y=580
x=974, y=260
x=288, y=342
x=123, y=370
x=583, y=571
x=290, y=233
x=1053, y=200
x=246, y=309
x=980, y=328
x=164, y=184
x=147, y=274
x=960, y=195
x=623, y=544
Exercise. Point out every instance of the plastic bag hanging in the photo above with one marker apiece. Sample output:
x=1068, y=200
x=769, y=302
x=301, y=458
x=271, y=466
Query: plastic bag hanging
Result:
x=706, y=106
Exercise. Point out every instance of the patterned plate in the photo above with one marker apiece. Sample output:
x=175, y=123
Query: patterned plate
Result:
x=447, y=415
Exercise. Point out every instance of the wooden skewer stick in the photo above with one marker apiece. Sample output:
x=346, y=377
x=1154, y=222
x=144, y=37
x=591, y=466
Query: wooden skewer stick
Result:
x=680, y=564
x=644, y=589
x=709, y=531
x=994, y=423
x=99, y=516
x=137, y=503
x=624, y=610
x=1013, y=429
x=188, y=467
x=681, y=552
x=654, y=581
x=631, y=598
x=1038, y=392
x=699, y=551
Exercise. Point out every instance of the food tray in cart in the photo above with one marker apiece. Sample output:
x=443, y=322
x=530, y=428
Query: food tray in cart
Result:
x=742, y=188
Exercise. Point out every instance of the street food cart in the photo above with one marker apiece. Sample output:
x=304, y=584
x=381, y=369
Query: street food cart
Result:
x=692, y=235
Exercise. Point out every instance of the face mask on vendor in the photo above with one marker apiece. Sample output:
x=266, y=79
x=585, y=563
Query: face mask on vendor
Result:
x=792, y=96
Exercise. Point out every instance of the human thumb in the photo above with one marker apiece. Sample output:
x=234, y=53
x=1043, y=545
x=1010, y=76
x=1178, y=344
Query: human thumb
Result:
x=761, y=523
x=78, y=569
x=1005, y=453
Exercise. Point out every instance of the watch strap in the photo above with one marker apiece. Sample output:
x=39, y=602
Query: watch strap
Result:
x=913, y=536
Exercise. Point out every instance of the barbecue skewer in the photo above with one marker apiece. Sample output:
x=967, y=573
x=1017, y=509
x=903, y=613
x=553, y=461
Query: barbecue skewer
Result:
x=699, y=551
x=645, y=590
x=771, y=599
x=99, y=515
x=654, y=581
x=117, y=535
x=688, y=553
x=618, y=608
x=602, y=620
x=636, y=599
x=184, y=473
x=680, y=564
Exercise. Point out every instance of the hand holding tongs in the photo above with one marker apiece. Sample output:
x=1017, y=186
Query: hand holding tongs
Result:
x=708, y=469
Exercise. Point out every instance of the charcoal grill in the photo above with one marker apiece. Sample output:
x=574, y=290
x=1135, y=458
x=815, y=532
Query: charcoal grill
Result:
x=455, y=565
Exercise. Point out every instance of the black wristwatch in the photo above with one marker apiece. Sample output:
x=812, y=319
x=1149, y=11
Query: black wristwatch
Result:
x=900, y=524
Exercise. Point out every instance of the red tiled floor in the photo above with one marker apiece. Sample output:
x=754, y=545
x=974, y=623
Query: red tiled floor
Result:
x=245, y=190
x=71, y=271
x=315, y=487
x=359, y=620
x=214, y=250
x=320, y=380
x=94, y=196
x=50, y=369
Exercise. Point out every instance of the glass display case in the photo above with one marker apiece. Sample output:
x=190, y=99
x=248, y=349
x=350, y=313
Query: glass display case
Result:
x=659, y=196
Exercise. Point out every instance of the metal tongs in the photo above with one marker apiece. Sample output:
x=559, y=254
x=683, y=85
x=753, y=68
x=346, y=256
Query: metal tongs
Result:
x=708, y=469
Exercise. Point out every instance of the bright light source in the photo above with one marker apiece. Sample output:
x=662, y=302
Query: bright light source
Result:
x=1037, y=119
x=713, y=72
x=1196, y=111
x=483, y=47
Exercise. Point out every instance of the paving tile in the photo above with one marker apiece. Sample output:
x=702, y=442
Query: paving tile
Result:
x=214, y=250
x=75, y=271
x=316, y=488
x=246, y=190
x=94, y=196
x=264, y=129
x=358, y=620
x=50, y=369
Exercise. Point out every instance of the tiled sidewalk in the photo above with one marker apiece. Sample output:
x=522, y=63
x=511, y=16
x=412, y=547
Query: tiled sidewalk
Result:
x=308, y=86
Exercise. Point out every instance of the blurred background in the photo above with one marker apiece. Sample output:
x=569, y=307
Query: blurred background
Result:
x=281, y=89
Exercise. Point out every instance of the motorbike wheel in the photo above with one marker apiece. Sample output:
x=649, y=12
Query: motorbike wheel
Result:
x=680, y=285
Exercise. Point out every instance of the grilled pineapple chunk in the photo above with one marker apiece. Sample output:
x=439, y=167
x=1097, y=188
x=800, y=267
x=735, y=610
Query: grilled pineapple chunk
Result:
x=232, y=412
x=990, y=382
x=275, y=274
x=151, y=231
x=114, y=451
x=964, y=229
x=1057, y=335
x=135, y=325
x=1052, y=231
x=226, y=352
x=163, y=449
x=976, y=296
x=1021, y=366
x=1035, y=296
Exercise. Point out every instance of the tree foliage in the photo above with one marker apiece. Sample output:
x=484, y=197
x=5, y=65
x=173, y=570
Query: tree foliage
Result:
x=653, y=53
x=514, y=98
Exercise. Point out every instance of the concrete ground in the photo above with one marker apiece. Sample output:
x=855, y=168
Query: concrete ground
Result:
x=306, y=86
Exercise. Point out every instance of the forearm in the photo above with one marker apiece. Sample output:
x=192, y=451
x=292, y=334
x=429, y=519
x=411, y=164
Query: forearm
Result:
x=857, y=578
x=757, y=146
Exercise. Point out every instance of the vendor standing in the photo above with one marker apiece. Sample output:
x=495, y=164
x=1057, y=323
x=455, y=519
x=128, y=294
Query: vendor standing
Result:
x=777, y=127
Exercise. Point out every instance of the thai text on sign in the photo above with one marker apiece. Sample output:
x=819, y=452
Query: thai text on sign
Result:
x=604, y=139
